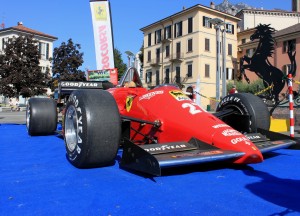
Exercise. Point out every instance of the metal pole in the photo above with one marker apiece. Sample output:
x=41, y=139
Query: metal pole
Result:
x=224, y=90
x=217, y=27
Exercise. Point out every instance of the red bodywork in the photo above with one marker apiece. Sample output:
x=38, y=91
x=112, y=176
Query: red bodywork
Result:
x=180, y=120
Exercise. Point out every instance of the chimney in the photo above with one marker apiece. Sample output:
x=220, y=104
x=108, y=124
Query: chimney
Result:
x=20, y=23
x=212, y=5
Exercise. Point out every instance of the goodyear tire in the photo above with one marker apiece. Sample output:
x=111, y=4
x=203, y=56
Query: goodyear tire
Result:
x=41, y=116
x=92, y=126
x=249, y=104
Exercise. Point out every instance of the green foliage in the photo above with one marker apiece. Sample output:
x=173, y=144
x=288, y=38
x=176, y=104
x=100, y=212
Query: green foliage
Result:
x=253, y=87
x=19, y=68
x=66, y=62
x=119, y=64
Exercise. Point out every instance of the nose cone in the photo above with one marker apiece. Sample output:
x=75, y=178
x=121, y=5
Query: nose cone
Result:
x=231, y=139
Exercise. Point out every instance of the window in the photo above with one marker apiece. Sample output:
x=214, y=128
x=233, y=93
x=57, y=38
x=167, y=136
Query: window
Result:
x=230, y=49
x=190, y=25
x=4, y=41
x=157, y=77
x=190, y=45
x=157, y=55
x=149, y=77
x=177, y=77
x=250, y=52
x=190, y=70
x=289, y=45
x=44, y=50
x=178, y=29
x=167, y=51
x=207, y=70
x=149, y=39
x=229, y=74
x=149, y=56
x=230, y=28
x=178, y=50
x=167, y=79
x=206, y=44
x=243, y=40
x=168, y=32
x=157, y=36
x=206, y=22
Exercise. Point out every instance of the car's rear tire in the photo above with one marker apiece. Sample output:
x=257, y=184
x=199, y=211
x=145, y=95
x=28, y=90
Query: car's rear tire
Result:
x=41, y=116
x=92, y=126
x=248, y=104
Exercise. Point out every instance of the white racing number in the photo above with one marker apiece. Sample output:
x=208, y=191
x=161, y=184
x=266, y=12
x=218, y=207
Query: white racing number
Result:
x=193, y=108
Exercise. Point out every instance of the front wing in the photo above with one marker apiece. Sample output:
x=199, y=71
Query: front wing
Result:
x=151, y=158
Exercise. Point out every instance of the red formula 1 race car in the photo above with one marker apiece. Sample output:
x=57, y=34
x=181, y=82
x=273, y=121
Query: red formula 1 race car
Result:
x=156, y=128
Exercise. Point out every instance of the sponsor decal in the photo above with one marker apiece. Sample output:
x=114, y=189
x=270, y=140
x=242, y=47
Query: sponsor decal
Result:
x=206, y=153
x=220, y=126
x=240, y=139
x=179, y=95
x=129, y=101
x=165, y=148
x=74, y=99
x=150, y=95
x=278, y=142
x=231, y=132
x=80, y=84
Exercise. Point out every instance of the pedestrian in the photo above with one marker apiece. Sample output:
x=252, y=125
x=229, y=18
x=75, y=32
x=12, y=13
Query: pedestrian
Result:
x=10, y=105
x=17, y=105
x=190, y=92
x=233, y=90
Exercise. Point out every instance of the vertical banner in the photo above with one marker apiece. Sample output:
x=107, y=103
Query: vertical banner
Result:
x=102, y=34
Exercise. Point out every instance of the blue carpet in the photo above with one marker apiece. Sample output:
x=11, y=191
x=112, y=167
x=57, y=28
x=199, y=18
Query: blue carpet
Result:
x=37, y=179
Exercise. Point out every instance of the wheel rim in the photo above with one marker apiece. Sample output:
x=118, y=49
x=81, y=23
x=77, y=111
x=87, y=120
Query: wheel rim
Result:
x=71, y=125
x=28, y=116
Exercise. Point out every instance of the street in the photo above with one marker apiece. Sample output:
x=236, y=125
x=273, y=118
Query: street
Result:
x=13, y=117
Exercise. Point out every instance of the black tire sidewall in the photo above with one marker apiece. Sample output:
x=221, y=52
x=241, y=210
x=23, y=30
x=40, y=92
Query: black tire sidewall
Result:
x=43, y=116
x=248, y=104
x=100, y=128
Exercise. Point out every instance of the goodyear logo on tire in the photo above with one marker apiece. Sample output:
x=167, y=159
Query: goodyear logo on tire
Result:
x=179, y=95
x=129, y=100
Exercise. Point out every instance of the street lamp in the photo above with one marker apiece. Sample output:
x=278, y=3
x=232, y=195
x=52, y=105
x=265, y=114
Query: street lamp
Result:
x=218, y=23
x=129, y=55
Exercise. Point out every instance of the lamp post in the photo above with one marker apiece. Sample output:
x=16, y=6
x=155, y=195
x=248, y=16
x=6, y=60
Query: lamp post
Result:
x=129, y=55
x=217, y=24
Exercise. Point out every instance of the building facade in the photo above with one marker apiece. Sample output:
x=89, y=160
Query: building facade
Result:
x=182, y=49
x=278, y=19
x=45, y=43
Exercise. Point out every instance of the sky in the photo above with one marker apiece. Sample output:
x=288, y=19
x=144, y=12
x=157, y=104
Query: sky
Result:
x=67, y=19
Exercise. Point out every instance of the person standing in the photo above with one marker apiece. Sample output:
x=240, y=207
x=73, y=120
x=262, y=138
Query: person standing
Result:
x=233, y=90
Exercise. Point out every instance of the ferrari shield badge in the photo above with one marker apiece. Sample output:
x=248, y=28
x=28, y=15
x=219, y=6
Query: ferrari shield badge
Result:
x=129, y=100
x=179, y=95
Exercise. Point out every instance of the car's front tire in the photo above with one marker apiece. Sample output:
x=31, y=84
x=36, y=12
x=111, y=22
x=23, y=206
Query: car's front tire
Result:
x=92, y=127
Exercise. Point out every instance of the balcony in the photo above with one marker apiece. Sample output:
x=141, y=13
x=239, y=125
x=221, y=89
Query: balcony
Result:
x=155, y=62
x=176, y=57
x=166, y=40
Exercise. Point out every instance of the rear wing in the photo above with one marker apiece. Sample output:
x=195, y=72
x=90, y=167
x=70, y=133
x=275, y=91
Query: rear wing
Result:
x=65, y=88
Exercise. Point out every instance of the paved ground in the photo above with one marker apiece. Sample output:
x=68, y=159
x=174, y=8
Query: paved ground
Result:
x=13, y=117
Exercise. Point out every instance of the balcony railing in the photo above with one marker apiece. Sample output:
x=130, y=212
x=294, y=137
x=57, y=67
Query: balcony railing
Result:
x=177, y=57
x=155, y=62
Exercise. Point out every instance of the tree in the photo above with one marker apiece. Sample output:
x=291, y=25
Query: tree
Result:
x=66, y=61
x=122, y=67
x=20, y=73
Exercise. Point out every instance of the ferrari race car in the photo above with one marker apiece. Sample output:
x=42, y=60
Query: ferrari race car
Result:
x=156, y=128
